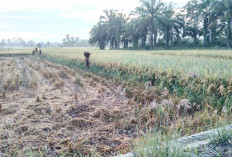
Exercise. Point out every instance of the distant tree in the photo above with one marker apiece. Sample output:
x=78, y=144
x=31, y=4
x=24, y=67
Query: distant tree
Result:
x=31, y=43
x=3, y=42
x=199, y=22
x=83, y=43
x=171, y=25
x=192, y=21
x=114, y=23
x=70, y=41
x=223, y=9
x=39, y=45
x=150, y=12
x=98, y=35
x=67, y=37
x=48, y=44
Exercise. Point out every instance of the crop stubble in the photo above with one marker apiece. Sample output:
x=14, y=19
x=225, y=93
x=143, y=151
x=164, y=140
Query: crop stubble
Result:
x=47, y=107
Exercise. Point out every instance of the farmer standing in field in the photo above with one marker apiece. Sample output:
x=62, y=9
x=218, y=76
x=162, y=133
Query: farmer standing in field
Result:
x=87, y=55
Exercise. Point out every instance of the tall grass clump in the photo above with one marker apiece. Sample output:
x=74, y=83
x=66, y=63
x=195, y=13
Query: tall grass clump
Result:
x=222, y=137
x=158, y=144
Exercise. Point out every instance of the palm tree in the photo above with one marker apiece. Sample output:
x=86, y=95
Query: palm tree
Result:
x=132, y=34
x=200, y=10
x=171, y=25
x=210, y=19
x=150, y=12
x=204, y=8
x=120, y=23
x=115, y=22
x=127, y=32
x=224, y=9
x=138, y=28
x=98, y=35
x=107, y=20
x=192, y=21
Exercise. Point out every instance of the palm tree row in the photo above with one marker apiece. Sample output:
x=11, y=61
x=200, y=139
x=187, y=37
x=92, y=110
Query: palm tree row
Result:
x=156, y=24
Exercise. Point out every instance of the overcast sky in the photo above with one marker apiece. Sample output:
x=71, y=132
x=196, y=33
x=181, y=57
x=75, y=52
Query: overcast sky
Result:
x=51, y=20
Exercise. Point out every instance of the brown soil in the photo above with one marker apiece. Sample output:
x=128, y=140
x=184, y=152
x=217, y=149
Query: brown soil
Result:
x=52, y=109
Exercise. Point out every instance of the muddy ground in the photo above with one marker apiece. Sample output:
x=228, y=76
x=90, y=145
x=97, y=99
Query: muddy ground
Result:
x=51, y=109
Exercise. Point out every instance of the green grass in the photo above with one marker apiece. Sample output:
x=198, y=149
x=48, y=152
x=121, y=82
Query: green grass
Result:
x=222, y=137
x=220, y=144
x=157, y=144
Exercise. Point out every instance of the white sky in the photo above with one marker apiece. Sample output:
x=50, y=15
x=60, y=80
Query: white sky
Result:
x=50, y=20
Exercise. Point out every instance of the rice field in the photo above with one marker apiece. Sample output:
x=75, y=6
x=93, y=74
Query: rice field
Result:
x=203, y=76
x=123, y=92
x=18, y=50
x=215, y=63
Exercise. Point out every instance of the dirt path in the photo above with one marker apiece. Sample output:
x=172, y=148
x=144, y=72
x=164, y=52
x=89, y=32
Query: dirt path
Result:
x=52, y=109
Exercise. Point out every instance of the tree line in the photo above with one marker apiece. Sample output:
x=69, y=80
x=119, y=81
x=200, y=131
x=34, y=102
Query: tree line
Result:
x=154, y=24
x=68, y=41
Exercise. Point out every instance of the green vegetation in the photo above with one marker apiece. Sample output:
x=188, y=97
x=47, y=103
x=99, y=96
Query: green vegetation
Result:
x=202, y=76
x=203, y=62
x=220, y=144
x=154, y=24
x=188, y=91
x=161, y=144
x=221, y=137
x=156, y=144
